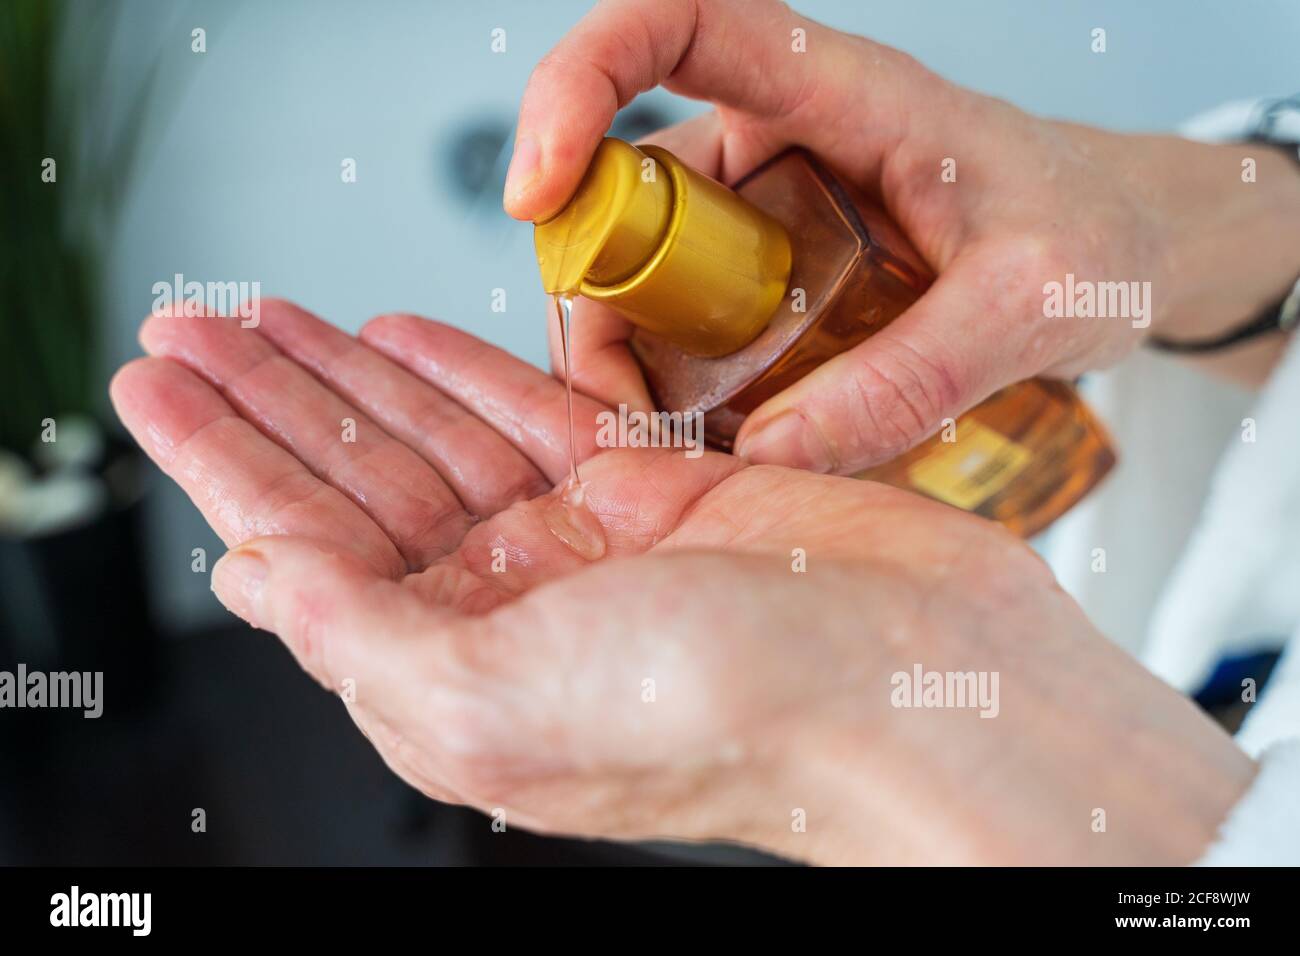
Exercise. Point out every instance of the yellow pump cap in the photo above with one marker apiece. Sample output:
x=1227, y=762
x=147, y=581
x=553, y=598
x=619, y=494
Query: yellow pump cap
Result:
x=677, y=253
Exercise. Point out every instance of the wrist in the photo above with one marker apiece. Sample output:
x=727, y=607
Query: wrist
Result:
x=1231, y=218
x=1087, y=760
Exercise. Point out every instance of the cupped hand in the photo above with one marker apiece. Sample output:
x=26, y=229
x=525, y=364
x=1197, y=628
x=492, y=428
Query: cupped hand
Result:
x=723, y=671
x=998, y=202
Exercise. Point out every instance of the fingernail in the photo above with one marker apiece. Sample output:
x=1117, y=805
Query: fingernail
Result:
x=788, y=439
x=525, y=164
x=237, y=580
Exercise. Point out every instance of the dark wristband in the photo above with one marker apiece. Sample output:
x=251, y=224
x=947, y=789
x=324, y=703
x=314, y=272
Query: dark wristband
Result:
x=1281, y=317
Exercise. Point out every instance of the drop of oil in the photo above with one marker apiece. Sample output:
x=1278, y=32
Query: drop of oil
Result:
x=567, y=514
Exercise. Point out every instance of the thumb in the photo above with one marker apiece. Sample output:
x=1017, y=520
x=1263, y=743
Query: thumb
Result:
x=341, y=620
x=872, y=403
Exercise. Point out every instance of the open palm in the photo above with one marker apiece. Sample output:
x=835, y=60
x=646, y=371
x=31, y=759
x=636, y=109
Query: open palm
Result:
x=391, y=501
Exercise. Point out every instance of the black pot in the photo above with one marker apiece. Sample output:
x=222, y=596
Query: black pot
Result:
x=75, y=599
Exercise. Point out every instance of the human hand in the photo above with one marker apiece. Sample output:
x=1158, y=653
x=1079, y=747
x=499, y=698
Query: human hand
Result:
x=1032, y=202
x=690, y=684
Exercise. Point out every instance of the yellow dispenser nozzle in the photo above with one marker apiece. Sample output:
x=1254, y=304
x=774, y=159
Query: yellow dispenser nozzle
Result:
x=674, y=251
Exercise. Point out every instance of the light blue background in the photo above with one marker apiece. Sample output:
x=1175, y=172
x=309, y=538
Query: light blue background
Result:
x=240, y=178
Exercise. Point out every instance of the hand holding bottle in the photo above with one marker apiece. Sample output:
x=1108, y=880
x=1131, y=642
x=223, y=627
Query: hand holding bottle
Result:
x=998, y=203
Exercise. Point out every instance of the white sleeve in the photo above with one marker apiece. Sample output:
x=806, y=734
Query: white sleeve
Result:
x=1264, y=828
x=1235, y=120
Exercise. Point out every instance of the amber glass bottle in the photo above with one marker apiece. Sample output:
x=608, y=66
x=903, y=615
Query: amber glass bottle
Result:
x=738, y=294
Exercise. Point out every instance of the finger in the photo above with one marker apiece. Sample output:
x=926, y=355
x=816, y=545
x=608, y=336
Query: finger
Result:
x=423, y=671
x=524, y=404
x=603, y=365
x=353, y=630
x=746, y=57
x=244, y=484
x=332, y=438
x=485, y=471
x=877, y=400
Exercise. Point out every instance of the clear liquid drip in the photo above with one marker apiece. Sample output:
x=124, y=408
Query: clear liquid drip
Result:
x=568, y=516
x=564, y=314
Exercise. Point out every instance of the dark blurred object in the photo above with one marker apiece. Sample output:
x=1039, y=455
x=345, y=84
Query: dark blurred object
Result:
x=474, y=155
x=1224, y=696
x=73, y=596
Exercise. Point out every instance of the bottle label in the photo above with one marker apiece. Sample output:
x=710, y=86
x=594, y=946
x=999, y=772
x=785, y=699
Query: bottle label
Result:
x=969, y=471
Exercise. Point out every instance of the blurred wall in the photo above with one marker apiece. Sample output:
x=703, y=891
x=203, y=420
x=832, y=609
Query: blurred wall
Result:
x=241, y=178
